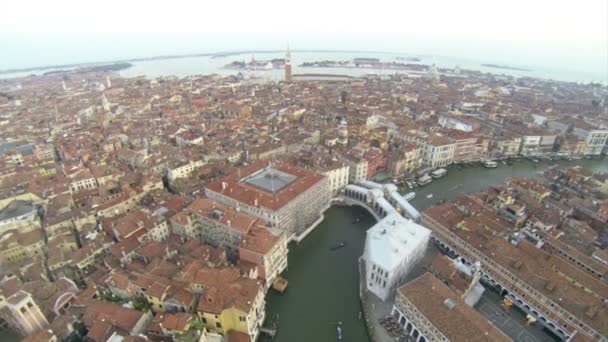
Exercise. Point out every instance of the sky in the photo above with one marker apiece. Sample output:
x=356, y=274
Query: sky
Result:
x=568, y=33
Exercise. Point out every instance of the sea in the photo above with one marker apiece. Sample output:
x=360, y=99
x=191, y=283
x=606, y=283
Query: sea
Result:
x=29, y=50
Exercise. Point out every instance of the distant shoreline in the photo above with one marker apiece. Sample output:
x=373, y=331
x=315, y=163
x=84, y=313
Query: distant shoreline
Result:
x=505, y=67
x=166, y=57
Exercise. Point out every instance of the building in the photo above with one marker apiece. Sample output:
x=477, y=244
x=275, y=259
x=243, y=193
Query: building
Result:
x=288, y=76
x=288, y=198
x=19, y=310
x=220, y=225
x=428, y=310
x=437, y=151
x=21, y=215
x=238, y=306
x=392, y=247
x=357, y=168
x=337, y=175
x=596, y=141
x=266, y=250
x=558, y=294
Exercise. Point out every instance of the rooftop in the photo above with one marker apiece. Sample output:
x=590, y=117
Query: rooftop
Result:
x=394, y=238
x=270, y=179
x=444, y=308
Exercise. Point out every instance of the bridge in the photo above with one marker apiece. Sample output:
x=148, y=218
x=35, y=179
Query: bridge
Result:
x=380, y=200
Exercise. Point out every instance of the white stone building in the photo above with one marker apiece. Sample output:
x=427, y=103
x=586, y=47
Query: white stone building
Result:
x=392, y=247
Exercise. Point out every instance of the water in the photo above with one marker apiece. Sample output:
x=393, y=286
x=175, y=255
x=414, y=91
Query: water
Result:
x=205, y=65
x=323, y=285
x=200, y=65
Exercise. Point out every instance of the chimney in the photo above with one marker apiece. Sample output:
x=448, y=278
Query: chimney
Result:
x=224, y=186
x=255, y=202
x=228, y=223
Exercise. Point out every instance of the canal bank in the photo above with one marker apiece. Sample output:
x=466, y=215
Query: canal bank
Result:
x=324, y=284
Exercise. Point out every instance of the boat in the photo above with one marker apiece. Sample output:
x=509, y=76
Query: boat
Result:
x=339, y=331
x=338, y=246
x=424, y=180
x=490, y=164
x=429, y=196
x=409, y=196
x=439, y=173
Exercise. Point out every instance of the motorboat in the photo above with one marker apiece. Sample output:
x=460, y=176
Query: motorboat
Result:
x=439, y=173
x=424, y=180
x=338, y=246
x=490, y=164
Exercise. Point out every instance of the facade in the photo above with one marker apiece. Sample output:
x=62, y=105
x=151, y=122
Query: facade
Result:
x=530, y=145
x=184, y=170
x=288, y=198
x=596, y=141
x=338, y=177
x=392, y=246
x=21, y=313
x=266, y=250
x=428, y=310
x=437, y=151
x=357, y=168
x=238, y=308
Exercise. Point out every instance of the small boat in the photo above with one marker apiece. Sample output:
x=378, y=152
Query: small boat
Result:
x=439, y=173
x=409, y=196
x=490, y=164
x=338, y=246
x=339, y=331
x=424, y=180
x=429, y=196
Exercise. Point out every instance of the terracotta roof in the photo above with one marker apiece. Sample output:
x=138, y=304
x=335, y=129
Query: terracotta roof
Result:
x=225, y=215
x=444, y=308
x=249, y=194
x=259, y=240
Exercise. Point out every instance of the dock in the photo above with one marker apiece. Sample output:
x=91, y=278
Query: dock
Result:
x=280, y=284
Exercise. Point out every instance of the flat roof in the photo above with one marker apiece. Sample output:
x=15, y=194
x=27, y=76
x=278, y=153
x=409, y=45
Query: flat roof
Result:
x=270, y=179
x=394, y=238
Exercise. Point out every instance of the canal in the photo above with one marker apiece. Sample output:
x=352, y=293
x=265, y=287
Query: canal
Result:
x=323, y=284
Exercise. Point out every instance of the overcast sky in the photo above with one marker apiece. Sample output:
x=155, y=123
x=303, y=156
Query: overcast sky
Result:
x=575, y=27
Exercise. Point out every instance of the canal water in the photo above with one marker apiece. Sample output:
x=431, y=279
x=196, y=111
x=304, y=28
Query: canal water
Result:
x=323, y=284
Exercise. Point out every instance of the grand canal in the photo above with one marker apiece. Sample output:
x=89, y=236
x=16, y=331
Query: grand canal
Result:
x=323, y=284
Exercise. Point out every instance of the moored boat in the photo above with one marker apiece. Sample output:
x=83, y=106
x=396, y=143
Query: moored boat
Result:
x=439, y=173
x=489, y=164
x=424, y=180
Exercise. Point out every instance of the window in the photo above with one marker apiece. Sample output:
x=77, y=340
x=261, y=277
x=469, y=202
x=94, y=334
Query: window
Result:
x=242, y=319
x=204, y=320
x=29, y=304
x=22, y=309
x=218, y=325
